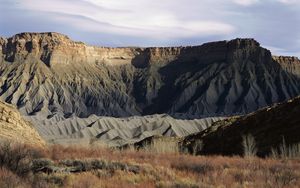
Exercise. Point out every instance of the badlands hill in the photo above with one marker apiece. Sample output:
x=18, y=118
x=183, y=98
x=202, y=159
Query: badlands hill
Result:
x=117, y=131
x=56, y=81
x=13, y=127
x=269, y=126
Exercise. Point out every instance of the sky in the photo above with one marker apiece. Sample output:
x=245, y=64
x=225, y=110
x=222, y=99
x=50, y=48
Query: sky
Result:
x=273, y=23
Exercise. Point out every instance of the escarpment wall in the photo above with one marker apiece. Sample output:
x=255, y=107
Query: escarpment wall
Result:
x=48, y=74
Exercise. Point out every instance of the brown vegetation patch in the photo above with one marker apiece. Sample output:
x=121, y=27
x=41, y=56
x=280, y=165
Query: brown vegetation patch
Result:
x=103, y=167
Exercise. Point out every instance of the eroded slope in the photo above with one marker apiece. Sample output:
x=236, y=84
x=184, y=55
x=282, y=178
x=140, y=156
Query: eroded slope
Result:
x=116, y=131
x=47, y=73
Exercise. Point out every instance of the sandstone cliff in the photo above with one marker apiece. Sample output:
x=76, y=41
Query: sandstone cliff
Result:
x=289, y=64
x=47, y=74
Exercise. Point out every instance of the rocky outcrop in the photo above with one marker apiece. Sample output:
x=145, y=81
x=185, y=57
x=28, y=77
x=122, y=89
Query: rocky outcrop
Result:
x=14, y=128
x=45, y=74
x=289, y=64
x=55, y=48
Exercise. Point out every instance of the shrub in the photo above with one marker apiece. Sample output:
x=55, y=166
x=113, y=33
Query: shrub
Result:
x=199, y=167
x=294, y=151
x=85, y=180
x=95, y=164
x=249, y=146
x=286, y=151
x=17, y=157
x=98, y=164
x=283, y=175
x=10, y=180
x=197, y=147
x=57, y=179
x=163, y=145
x=40, y=164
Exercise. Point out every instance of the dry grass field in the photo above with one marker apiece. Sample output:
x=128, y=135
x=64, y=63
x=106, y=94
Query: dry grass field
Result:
x=80, y=167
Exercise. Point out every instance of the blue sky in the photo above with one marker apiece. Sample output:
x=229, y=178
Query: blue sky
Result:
x=274, y=23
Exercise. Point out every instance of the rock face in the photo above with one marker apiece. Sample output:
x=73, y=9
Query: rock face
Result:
x=268, y=126
x=13, y=127
x=289, y=64
x=48, y=74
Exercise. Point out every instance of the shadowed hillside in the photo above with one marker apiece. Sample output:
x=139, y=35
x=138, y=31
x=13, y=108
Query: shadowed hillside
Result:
x=269, y=126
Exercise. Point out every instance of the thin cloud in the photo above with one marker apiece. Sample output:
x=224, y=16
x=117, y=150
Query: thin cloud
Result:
x=132, y=19
x=246, y=2
x=289, y=2
x=157, y=22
